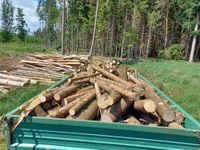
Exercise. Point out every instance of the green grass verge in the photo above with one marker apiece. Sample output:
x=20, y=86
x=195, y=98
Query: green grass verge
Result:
x=20, y=49
x=180, y=80
x=15, y=98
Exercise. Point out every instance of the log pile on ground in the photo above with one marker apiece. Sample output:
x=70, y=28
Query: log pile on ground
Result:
x=8, y=82
x=107, y=95
x=48, y=68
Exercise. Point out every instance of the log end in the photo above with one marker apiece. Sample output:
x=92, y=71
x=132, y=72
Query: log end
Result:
x=149, y=106
x=57, y=97
x=72, y=112
x=168, y=116
x=43, y=99
x=175, y=125
x=106, y=118
x=132, y=120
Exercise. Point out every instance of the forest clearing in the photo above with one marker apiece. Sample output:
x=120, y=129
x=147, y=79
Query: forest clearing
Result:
x=133, y=63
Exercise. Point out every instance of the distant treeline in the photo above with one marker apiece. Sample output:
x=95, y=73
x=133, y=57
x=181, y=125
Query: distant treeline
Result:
x=125, y=28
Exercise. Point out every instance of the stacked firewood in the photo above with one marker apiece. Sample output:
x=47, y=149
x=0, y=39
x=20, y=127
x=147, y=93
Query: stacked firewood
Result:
x=48, y=68
x=99, y=93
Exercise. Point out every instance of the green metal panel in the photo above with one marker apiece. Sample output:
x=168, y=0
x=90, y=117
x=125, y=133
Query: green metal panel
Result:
x=61, y=134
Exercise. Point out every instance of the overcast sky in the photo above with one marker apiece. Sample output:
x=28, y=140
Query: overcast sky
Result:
x=29, y=7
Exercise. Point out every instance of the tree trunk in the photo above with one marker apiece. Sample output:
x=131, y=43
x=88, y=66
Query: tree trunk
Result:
x=194, y=39
x=112, y=32
x=95, y=26
x=123, y=36
x=166, y=28
x=149, y=42
x=63, y=28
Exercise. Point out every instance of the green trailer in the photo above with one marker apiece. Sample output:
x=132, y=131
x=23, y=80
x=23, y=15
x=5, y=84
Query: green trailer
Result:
x=44, y=133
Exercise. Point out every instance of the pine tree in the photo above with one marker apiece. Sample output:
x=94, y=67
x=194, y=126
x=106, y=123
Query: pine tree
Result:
x=21, y=24
x=7, y=20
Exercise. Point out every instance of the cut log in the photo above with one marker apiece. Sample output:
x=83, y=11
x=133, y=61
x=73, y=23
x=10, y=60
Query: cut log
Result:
x=134, y=79
x=122, y=71
x=179, y=117
x=89, y=97
x=73, y=97
x=8, y=87
x=102, y=85
x=125, y=92
x=48, y=95
x=13, y=83
x=116, y=111
x=97, y=89
x=90, y=112
x=113, y=77
x=10, y=77
x=166, y=113
x=101, y=101
x=111, y=82
x=132, y=120
x=39, y=111
x=113, y=98
x=146, y=105
x=87, y=88
x=175, y=125
x=83, y=77
x=63, y=111
x=65, y=92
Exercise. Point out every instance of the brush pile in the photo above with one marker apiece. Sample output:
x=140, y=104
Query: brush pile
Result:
x=108, y=94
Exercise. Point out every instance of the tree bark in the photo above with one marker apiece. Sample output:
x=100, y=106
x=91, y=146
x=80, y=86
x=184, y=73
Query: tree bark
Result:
x=63, y=28
x=90, y=112
x=194, y=39
x=65, y=92
x=132, y=120
x=113, y=77
x=39, y=111
x=146, y=106
x=63, y=111
x=116, y=111
x=88, y=98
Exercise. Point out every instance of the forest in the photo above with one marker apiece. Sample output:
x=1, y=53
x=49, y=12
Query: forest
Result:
x=126, y=29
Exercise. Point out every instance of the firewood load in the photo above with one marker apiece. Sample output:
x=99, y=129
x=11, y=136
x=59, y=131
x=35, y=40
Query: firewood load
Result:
x=48, y=68
x=97, y=93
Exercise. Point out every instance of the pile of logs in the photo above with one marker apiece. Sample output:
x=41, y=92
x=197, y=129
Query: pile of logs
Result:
x=48, y=68
x=99, y=93
x=8, y=82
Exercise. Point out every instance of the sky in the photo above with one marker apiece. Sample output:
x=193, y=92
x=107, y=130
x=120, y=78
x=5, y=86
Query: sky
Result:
x=29, y=7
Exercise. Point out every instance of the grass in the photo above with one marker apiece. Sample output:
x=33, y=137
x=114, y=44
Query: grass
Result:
x=15, y=98
x=180, y=80
x=19, y=49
